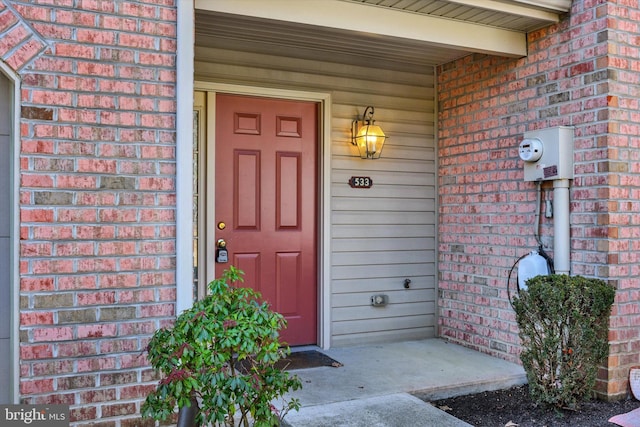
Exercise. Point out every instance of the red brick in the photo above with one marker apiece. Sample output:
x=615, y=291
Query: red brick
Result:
x=36, y=318
x=160, y=60
x=93, y=36
x=96, y=69
x=121, y=345
x=52, y=367
x=118, y=280
x=136, y=9
x=136, y=329
x=158, y=310
x=134, y=360
x=96, y=199
x=97, y=232
x=97, y=331
x=116, y=248
x=113, y=118
x=77, y=349
x=7, y=19
x=118, y=23
x=83, y=413
x=35, y=351
x=77, y=148
x=98, y=395
x=33, y=146
x=52, y=334
x=137, y=391
x=96, y=265
x=118, y=410
x=96, y=5
x=75, y=51
x=36, y=249
x=36, y=215
x=36, y=386
x=96, y=166
x=30, y=284
x=74, y=249
x=96, y=298
x=118, y=215
x=96, y=101
x=15, y=37
x=137, y=232
x=117, y=86
x=77, y=215
x=96, y=364
x=77, y=282
x=77, y=182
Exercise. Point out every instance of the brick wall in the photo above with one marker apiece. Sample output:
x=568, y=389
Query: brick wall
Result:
x=582, y=72
x=619, y=222
x=97, y=199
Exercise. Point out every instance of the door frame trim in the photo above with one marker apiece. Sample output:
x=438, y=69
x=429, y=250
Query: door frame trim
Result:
x=14, y=106
x=324, y=181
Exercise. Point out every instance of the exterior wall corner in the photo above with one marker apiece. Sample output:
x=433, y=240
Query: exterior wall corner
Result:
x=578, y=73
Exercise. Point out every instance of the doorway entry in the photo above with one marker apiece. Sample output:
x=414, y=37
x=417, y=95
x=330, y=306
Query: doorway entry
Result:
x=266, y=203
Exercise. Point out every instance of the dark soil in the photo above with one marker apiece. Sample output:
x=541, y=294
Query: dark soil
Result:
x=498, y=408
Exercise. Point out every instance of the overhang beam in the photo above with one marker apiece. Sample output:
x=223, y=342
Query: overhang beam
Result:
x=520, y=8
x=383, y=21
x=560, y=6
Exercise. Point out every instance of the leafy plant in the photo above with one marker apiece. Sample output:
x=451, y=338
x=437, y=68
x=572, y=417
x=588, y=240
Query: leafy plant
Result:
x=564, y=322
x=221, y=355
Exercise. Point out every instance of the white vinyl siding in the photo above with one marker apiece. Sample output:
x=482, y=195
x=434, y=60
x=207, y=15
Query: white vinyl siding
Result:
x=380, y=235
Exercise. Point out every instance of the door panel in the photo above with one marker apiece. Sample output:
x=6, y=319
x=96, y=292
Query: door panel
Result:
x=288, y=187
x=288, y=266
x=246, y=180
x=266, y=194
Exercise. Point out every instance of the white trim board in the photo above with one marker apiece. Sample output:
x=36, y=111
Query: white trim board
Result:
x=184, y=166
x=14, y=385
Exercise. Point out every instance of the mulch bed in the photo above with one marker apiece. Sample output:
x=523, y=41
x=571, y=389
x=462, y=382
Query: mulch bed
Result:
x=499, y=408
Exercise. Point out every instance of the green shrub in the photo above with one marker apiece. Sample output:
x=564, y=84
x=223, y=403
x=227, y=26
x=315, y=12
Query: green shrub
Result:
x=564, y=323
x=221, y=354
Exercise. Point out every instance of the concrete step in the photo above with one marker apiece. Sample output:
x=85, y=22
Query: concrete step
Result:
x=393, y=410
x=387, y=385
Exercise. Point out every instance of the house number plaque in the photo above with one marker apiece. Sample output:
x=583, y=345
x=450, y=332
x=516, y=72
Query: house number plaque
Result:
x=360, y=182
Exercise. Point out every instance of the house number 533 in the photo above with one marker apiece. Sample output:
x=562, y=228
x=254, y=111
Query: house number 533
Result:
x=360, y=182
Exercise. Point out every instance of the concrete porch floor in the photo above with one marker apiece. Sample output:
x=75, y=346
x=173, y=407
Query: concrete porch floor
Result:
x=377, y=383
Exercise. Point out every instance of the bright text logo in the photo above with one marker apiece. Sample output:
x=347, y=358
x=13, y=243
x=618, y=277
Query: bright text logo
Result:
x=34, y=415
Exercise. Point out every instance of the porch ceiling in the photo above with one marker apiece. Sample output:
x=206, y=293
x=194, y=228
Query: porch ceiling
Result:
x=406, y=35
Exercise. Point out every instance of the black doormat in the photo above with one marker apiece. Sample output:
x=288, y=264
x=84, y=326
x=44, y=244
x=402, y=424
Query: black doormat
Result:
x=306, y=359
x=296, y=360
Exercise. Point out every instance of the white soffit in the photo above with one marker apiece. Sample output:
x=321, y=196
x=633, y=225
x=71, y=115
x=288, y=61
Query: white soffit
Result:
x=446, y=29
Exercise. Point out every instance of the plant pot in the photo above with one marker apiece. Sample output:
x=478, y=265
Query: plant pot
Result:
x=187, y=414
x=634, y=381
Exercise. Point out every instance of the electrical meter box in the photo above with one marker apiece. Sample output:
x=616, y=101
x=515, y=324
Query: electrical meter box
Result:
x=547, y=154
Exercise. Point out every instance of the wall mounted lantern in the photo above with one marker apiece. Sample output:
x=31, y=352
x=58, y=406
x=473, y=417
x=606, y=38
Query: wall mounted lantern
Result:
x=368, y=136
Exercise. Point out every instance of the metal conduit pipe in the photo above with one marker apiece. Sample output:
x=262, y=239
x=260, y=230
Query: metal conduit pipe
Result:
x=561, y=229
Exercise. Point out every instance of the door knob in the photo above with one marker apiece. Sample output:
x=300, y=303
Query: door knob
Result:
x=221, y=243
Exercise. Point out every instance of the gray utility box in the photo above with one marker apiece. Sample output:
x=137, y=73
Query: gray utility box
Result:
x=556, y=161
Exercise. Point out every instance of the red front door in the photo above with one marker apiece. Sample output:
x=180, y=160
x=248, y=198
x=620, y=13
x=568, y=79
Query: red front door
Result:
x=266, y=192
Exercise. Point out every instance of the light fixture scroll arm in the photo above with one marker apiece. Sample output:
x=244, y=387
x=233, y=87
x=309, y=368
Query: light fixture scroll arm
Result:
x=368, y=120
